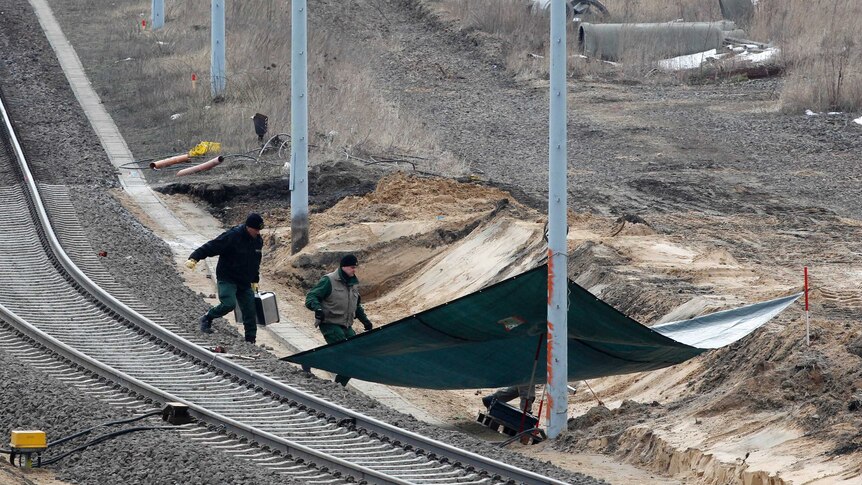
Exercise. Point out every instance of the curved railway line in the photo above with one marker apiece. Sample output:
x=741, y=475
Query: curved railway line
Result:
x=84, y=335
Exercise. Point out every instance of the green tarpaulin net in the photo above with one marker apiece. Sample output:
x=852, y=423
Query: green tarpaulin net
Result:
x=490, y=338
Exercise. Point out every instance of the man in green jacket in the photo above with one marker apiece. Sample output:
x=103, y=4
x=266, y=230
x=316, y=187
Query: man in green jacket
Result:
x=336, y=303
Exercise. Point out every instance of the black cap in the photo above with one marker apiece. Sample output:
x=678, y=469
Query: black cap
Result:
x=254, y=221
x=349, y=260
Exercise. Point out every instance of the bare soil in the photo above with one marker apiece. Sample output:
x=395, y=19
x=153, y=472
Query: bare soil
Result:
x=685, y=199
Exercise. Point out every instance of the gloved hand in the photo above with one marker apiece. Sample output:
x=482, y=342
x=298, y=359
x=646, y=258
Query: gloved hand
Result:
x=191, y=263
x=318, y=315
x=255, y=288
x=367, y=324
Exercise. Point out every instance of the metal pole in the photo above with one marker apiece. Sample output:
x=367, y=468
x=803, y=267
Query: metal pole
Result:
x=158, y=19
x=218, y=78
x=298, y=126
x=557, y=256
x=807, y=324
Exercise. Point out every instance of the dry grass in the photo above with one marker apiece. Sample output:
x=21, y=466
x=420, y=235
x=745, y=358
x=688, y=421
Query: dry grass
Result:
x=821, y=43
x=662, y=10
x=525, y=36
x=820, y=40
x=347, y=112
x=525, y=32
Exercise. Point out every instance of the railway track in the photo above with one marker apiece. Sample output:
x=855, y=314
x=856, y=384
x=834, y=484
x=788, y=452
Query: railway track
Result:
x=46, y=298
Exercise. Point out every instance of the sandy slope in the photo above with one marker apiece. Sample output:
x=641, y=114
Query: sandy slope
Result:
x=407, y=267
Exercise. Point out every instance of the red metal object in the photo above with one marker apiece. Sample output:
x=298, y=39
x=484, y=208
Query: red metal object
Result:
x=203, y=166
x=541, y=403
x=170, y=161
x=103, y=254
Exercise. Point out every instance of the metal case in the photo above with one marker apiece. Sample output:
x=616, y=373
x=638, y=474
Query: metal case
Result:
x=266, y=306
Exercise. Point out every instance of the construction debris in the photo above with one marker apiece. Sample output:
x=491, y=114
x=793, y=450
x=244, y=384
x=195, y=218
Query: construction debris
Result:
x=669, y=39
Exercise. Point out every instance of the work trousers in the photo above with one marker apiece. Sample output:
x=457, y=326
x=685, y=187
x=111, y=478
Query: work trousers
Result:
x=526, y=393
x=229, y=296
x=336, y=333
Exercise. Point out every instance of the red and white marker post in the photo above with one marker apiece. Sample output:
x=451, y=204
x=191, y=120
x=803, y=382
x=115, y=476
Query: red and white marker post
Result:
x=807, y=326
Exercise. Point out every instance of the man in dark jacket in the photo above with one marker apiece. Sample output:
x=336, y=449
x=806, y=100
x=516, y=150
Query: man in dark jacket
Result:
x=238, y=273
x=336, y=303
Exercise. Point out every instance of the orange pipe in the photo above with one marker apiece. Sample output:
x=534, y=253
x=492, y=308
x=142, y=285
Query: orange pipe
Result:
x=201, y=167
x=170, y=161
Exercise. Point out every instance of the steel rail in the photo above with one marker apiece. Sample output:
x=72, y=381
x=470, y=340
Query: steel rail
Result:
x=198, y=412
x=375, y=428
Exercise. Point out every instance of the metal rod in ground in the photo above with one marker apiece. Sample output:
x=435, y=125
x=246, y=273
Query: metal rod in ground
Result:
x=158, y=19
x=527, y=403
x=218, y=78
x=298, y=126
x=557, y=204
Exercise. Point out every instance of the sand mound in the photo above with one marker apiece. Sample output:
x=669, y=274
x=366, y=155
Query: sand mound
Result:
x=421, y=242
x=401, y=196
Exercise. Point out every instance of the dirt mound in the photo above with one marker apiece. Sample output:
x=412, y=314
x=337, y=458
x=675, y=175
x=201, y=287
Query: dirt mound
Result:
x=402, y=196
x=407, y=233
x=606, y=425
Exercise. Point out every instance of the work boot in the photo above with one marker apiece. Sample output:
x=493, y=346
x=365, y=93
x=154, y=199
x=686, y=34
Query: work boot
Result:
x=306, y=369
x=250, y=339
x=206, y=323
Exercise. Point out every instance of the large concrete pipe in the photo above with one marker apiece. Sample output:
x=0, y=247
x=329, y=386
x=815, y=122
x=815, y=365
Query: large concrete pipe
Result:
x=167, y=162
x=737, y=10
x=201, y=167
x=670, y=39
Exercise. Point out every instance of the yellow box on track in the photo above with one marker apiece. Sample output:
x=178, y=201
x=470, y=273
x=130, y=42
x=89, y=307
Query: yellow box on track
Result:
x=29, y=440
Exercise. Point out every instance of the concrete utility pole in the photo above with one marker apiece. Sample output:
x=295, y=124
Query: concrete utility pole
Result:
x=218, y=76
x=298, y=126
x=158, y=19
x=558, y=358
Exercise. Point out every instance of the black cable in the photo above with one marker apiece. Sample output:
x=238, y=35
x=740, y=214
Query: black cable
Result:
x=240, y=155
x=136, y=164
x=522, y=433
x=146, y=161
x=100, y=439
x=111, y=423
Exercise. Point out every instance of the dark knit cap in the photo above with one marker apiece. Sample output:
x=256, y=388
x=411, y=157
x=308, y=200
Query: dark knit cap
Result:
x=254, y=221
x=349, y=260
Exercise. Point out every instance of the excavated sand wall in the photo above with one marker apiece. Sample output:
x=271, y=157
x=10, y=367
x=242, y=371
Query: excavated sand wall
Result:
x=643, y=447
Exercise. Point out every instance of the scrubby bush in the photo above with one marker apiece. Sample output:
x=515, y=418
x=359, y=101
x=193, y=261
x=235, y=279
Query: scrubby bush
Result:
x=821, y=43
